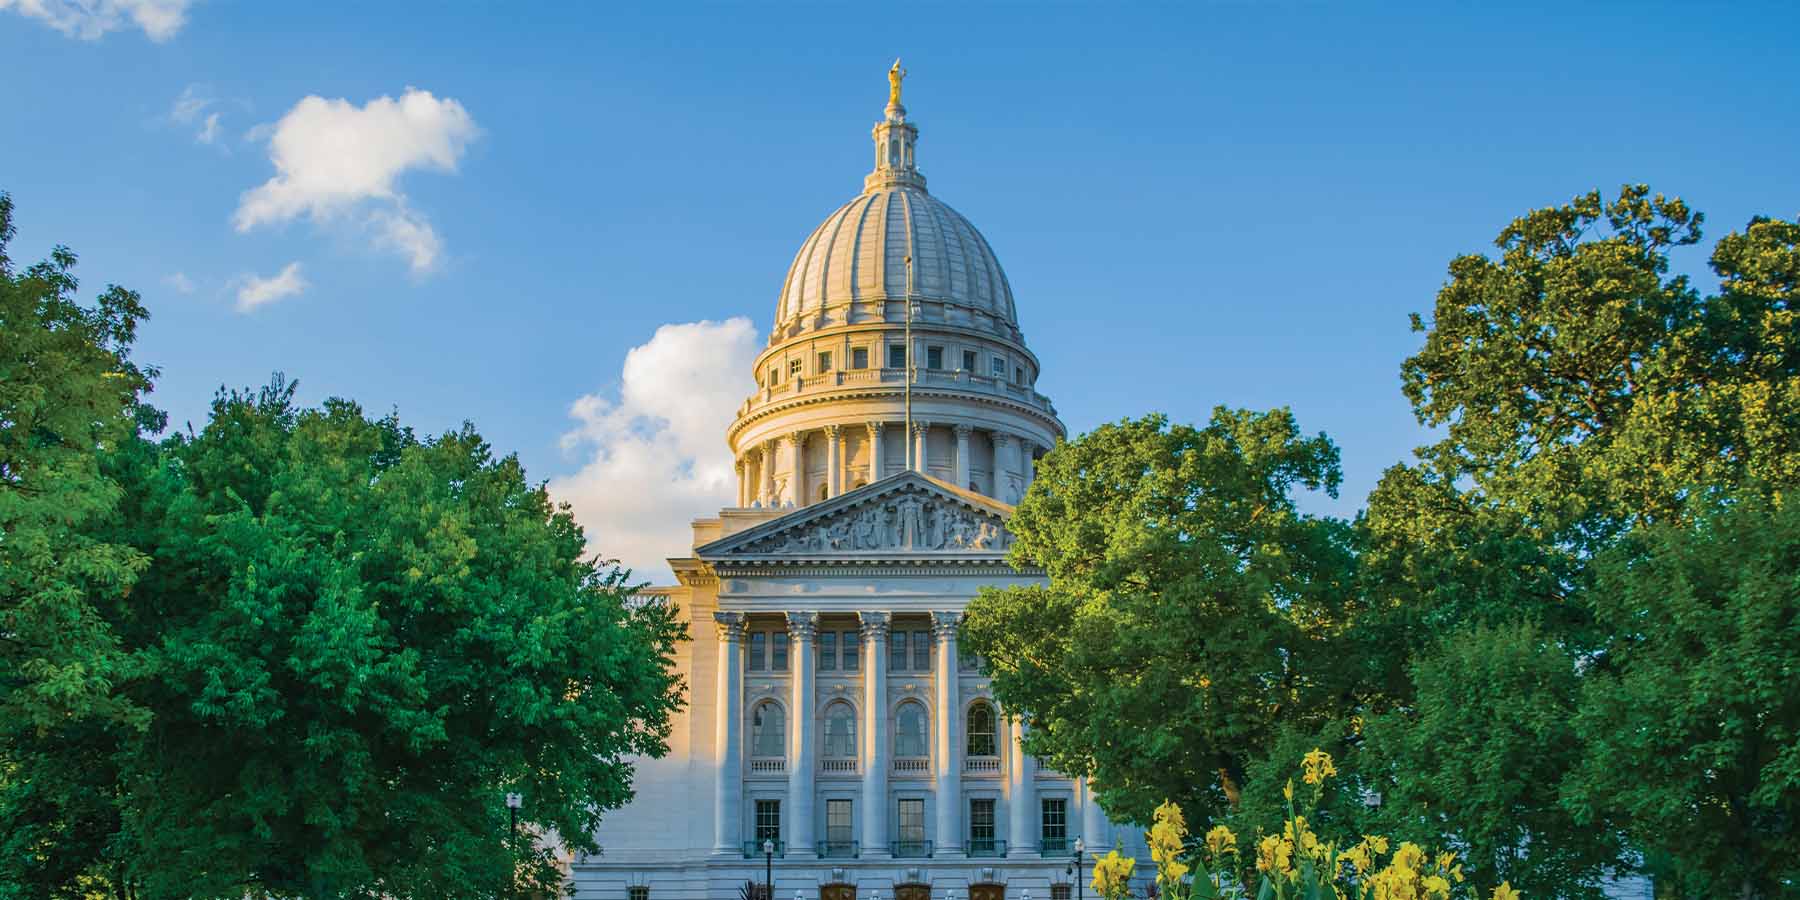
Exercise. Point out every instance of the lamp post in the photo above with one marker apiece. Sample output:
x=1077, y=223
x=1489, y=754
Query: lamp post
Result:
x=513, y=802
x=1075, y=868
x=768, y=869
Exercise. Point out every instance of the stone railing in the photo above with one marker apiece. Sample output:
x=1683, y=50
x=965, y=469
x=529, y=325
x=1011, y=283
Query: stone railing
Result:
x=912, y=765
x=982, y=765
x=838, y=766
x=958, y=379
x=768, y=765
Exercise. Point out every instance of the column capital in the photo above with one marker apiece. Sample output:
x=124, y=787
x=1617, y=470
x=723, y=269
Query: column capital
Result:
x=944, y=624
x=875, y=426
x=832, y=431
x=730, y=625
x=1002, y=440
x=738, y=465
x=874, y=625
x=796, y=437
x=802, y=625
x=963, y=431
x=919, y=426
x=767, y=448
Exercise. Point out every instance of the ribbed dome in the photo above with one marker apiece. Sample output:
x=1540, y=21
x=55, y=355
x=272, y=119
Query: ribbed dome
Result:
x=859, y=254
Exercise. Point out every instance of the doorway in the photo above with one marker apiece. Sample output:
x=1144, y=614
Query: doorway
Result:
x=987, y=892
x=912, y=892
x=837, y=892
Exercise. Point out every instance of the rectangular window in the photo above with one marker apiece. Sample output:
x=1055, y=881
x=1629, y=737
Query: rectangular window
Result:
x=638, y=892
x=999, y=367
x=768, y=820
x=921, y=641
x=1055, y=823
x=778, y=651
x=852, y=651
x=859, y=358
x=1061, y=892
x=912, y=820
x=896, y=356
x=793, y=368
x=981, y=822
x=828, y=651
x=758, y=658
x=824, y=363
x=934, y=357
x=838, y=828
x=968, y=360
x=774, y=375
x=897, y=651
x=1018, y=375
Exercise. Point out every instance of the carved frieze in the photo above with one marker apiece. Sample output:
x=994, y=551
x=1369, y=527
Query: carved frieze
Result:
x=908, y=520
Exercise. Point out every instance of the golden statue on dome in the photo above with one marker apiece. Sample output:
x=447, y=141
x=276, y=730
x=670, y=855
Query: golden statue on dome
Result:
x=895, y=76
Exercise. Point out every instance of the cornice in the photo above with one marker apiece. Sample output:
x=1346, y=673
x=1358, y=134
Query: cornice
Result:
x=830, y=395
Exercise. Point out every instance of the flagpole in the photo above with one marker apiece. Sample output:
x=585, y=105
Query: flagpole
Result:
x=908, y=436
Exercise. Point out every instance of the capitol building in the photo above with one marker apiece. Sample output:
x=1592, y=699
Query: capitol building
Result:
x=835, y=739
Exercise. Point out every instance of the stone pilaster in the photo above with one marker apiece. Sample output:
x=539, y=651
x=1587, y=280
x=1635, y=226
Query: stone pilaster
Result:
x=949, y=839
x=1021, y=795
x=728, y=790
x=877, y=748
x=801, y=743
x=962, y=455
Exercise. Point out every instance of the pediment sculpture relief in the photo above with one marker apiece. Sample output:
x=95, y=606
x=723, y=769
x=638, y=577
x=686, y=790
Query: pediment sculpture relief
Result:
x=907, y=521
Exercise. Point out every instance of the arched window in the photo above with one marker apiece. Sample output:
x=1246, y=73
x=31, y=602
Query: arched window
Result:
x=981, y=730
x=840, y=732
x=910, y=732
x=768, y=730
x=824, y=492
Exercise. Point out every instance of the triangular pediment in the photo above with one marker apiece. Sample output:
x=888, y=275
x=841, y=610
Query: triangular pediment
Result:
x=908, y=516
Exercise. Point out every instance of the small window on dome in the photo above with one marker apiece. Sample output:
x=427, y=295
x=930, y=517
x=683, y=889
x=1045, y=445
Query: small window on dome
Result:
x=896, y=356
x=793, y=368
x=859, y=358
x=1018, y=375
x=934, y=357
x=968, y=360
x=824, y=363
x=999, y=367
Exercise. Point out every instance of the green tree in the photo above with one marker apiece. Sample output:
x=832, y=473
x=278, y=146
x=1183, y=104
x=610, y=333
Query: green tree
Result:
x=360, y=642
x=68, y=389
x=1189, y=610
x=1691, y=718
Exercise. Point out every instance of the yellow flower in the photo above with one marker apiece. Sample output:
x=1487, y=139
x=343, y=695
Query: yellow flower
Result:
x=1446, y=859
x=1410, y=856
x=1317, y=766
x=1360, y=857
x=1220, y=839
x=1170, y=814
x=1456, y=873
x=1112, y=875
x=1164, y=841
x=1377, y=843
x=1436, y=886
x=1288, y=791
x=1505, y=892
x=1274, y=855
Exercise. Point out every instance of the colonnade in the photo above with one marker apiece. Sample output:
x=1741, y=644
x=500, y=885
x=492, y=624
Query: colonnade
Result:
x=875, y=753
x=761, y=468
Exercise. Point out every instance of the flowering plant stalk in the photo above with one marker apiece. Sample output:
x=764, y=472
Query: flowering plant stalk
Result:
x=1296, y=864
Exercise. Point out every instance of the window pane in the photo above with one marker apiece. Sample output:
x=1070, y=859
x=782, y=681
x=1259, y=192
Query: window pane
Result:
x=934, y=357
x=897, y=651
x=824, y=363
x=912, y=820
x=968, y=360
x=909, y=732
x=859, y=358
x=981, y=819
x=837, y=821
x=1056, y=819
x=778, y=651
x=921, y=641
x=896, y=356
x=827, y=651
x=999, y=368
x=768, y=820
x=852, y=651
x=840, y=732
x=758, y=661
x=768, y=731
x=981, y=730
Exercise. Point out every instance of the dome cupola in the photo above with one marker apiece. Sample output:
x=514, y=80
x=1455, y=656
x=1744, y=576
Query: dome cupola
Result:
x=845, y=398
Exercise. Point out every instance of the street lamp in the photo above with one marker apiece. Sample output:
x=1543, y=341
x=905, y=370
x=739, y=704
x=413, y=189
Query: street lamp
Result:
x=768, y=869
x=1075, y=868
x=513, y=802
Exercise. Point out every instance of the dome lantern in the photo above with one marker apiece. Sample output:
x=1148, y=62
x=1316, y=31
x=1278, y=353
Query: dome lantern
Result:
x=895, y=139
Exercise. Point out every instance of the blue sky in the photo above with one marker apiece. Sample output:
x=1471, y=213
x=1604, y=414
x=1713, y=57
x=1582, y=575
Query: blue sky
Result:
x=1197, y=204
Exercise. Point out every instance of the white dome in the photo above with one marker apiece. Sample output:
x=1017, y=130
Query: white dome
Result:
x=859, y=254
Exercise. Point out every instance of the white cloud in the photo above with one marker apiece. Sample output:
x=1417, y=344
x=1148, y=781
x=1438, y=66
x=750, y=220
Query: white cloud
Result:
x=180, y=282
x=254, y=292
x=336, y=161
x=655, y=457
x=90, y=19
x=190, y=109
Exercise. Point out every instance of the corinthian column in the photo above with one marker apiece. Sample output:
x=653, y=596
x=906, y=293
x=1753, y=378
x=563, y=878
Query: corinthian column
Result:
x=766, y=469
x=728, y=791
x=919, y=430
x=743, y=486
x=1008, y=482
x=797, y=440
x=949, y=758
x=1021, y=797
x=834, y=460
x=875, y=749
x=877, y=465
x=801, y=626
